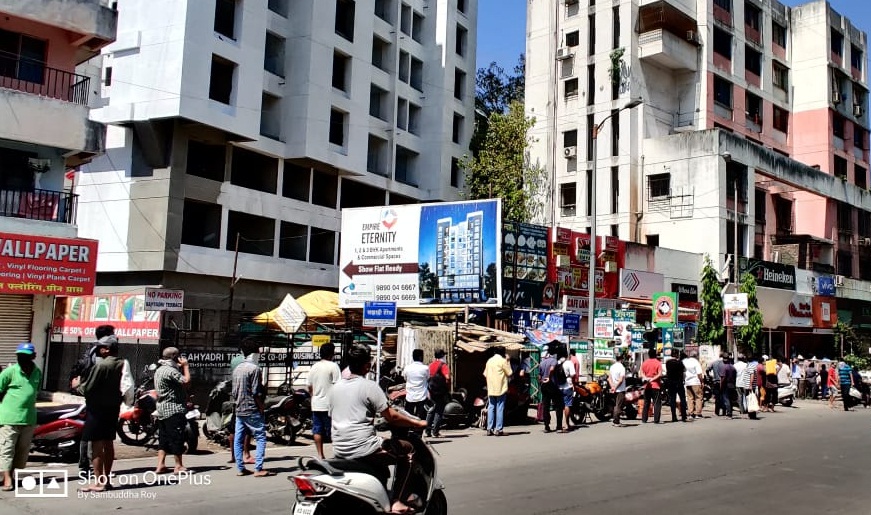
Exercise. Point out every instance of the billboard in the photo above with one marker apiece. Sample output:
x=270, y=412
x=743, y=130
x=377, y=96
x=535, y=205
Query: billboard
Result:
x=422, y=254
x=80, y=316
x=735, y=309
x=635, y=284
x=664, y=309
x=524, y=265
x=569, y=264
x=39, y=265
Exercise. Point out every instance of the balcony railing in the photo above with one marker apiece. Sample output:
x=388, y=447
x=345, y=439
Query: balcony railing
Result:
x=51, y=206
x=34, y=77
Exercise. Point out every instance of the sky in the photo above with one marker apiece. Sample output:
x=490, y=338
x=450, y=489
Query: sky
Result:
x=502, y=27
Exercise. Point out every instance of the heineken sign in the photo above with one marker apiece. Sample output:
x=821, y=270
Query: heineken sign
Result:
x=769, y=274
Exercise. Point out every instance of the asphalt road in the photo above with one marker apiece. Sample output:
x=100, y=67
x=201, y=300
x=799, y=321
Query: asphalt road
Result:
x=803, y=460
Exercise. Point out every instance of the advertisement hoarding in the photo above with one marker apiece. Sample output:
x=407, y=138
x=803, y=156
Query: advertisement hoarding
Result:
x=423, y=254
x=524, y=265
x=80, y=316
x=635, y=284
x=735, y=309
x=38, y=265
x=664, y=309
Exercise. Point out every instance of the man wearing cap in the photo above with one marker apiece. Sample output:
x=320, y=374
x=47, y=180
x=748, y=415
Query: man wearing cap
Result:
x=19, y=384
x=170, y=379
x=102, y=391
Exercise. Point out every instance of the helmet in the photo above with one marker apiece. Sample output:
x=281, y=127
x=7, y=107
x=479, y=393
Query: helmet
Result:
x=26, y=348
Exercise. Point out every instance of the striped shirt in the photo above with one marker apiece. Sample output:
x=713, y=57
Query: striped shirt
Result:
x=246, y=387
x=745, y=378
x=169, y=384
x=845, y=374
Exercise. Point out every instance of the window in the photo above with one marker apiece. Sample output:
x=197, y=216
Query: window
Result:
x=381, y=54
x=201, y=224
x=615, y=27
x=570, y=138
x=378, y=102
x=256, y=233
x=724, y=4
x=206, y=161
x=845, y=263
x=845, y=217
x=406, y=166
x=864, y=223
x=752, y=61
x=615, y=188
x=591, y=41
x=221, y=80
x=402, y=114
x=462, y=40
x=859, y=135
x=404, y=66
x=417, y=27
x=416, y=81
x=457, y=132
x=279, y=7
x=589, y=194
x=345, y=19
x=591, y=84
x=653, y=240
x=253, y=170
x=615, y=231
x=568, y=198
x=377, y=156
x=341, y=71
x=590, y=125
x=296, y=182
x=405, y=19
x=337, y=127
x=325, y=189
x=273, y=58
x=225, y=18
x=383, y=10
x=781, y=119
x=459, y=84
x=615, y=132
x=837, y=42
x=659, y=185
x=754, y=107
x=838, y=126
x=722, y=43
x=782, y=214
x=323, y=246
x=856, y=57
x=294, y=241
x=573, y=39
x=270, y=116
x=461, y=6
x=570, y=88
x=860, y=175
x=778, y=34
x=22, y=57
x=722, y=92
x=780, y=75
x=841, y=168
x=455, y=172
x=414, y=113
x=752, y=15
x=107, y=76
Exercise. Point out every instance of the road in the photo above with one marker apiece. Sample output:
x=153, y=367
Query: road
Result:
x=803, y=460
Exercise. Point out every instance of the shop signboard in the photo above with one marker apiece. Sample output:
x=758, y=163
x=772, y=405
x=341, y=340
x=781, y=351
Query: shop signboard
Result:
x=40, y=265
x=769, y=274
x=603, y=327
x=664, y=309
x=569, y=264
x=80, y=316
x=825, y=312
x=603, y=356
x=799, y=312
x=423, y=254
x=735, y=308
x=571, y=324
x=524, y=266
x=826, y=286
x=637, y=339
x=635, y=284
x=686, y=292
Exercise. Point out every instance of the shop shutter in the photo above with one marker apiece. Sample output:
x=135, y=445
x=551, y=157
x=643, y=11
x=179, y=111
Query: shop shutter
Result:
x=16, y=318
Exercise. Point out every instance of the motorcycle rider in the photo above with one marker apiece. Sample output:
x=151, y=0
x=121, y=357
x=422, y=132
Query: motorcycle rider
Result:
x=354, y=402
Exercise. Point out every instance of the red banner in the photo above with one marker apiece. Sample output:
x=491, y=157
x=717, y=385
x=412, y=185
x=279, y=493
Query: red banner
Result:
x=39, y=265
x=80, y=316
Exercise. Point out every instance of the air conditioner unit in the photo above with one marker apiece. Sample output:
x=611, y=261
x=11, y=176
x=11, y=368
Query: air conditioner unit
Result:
x=775, y=256
x=691, y=36
x=836, y=96
x=570, y=152
x=563, y=53
x=839, y=280
x=858, y=110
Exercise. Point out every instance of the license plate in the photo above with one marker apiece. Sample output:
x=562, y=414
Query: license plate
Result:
x=192, y=414
x=305, y=508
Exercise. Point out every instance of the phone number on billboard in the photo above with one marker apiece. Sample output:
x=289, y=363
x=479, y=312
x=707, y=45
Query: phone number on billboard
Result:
x=395, y=292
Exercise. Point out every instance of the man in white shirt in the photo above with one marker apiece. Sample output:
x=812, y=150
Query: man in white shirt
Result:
x=416, y=375
x=321, y=378
x=693, y=376
x=568, y=388
x=617, y=382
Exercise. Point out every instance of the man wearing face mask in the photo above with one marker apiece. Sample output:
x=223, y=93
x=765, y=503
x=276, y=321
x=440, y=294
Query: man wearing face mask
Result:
x=248, y=394
x=20, y=384
x=170, y=380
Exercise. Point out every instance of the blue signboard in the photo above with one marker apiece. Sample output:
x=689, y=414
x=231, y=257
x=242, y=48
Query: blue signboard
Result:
x=379, y=314
x=826, y=286
x=668, y=337
x=571, y=324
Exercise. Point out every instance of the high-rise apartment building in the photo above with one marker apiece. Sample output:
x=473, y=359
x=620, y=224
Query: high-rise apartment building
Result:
x=251, y=124
x=46, y=89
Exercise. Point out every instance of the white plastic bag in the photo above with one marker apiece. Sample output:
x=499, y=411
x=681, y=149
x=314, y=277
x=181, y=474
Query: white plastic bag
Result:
x=752, y=403
x=128, y=386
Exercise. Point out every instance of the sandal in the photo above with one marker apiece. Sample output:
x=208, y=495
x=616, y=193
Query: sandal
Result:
x=8, y=488
x=264, y=473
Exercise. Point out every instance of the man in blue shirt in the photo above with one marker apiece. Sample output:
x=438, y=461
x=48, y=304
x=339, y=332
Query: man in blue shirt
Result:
x=845, y=377
x=247, y=392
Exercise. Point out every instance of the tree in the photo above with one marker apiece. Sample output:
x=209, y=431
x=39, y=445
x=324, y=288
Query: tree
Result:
x=711, y=330
x=494, y=92
x=751, y=334
x=427, y=280
x=503, y=167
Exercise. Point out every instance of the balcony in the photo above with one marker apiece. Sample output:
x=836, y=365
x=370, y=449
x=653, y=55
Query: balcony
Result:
x=668, y=36
x=722, y=15
x=34, y=77
x=46, y=205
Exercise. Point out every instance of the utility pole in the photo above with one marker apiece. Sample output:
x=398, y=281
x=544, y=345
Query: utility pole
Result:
x=233, y=285
x=734, y=340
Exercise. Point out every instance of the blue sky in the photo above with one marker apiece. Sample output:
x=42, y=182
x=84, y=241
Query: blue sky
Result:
x=502, y=27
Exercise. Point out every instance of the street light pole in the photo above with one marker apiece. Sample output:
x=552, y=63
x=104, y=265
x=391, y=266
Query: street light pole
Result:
x=591, y=279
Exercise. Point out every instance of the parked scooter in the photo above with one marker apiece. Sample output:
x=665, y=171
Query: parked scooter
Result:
x=58, y=431
x=785, y=394
x=287, y=416
x=219, y=414
x=338, y=486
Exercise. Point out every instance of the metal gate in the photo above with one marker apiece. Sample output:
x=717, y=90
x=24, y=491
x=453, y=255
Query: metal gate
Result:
x=16, y=320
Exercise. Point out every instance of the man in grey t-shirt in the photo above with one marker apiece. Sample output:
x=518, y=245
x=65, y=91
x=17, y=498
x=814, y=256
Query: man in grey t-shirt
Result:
x=354, y=402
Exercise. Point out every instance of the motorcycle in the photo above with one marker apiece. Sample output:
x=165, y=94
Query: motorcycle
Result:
x=338, y=486
x=596, y=397
x=58, y=431
x=137, y=426
x=217, y=426
x=459, y=411
x=517, y=403
x=287, y=416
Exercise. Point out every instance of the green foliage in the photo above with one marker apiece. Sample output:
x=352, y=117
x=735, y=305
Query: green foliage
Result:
x=855, y=346
x=427, y=280
x=751, y=334
x=711, y=330
x=503, y=168
x=616, y=64
x=495, y=91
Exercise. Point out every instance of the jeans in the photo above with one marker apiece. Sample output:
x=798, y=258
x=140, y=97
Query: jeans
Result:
x=435, y=415
x=726, y=400
x=555, y=399
x=496, y=412
x=696, y=397
x=718, y=397
x=825, y=393
x=676, y=390
x=619, y=399
x=742, y=400
x=846, y=397
x=253, y=424
x=652, y=395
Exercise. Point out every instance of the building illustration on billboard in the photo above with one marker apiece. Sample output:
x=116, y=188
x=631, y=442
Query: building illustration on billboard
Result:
x=460, y=258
